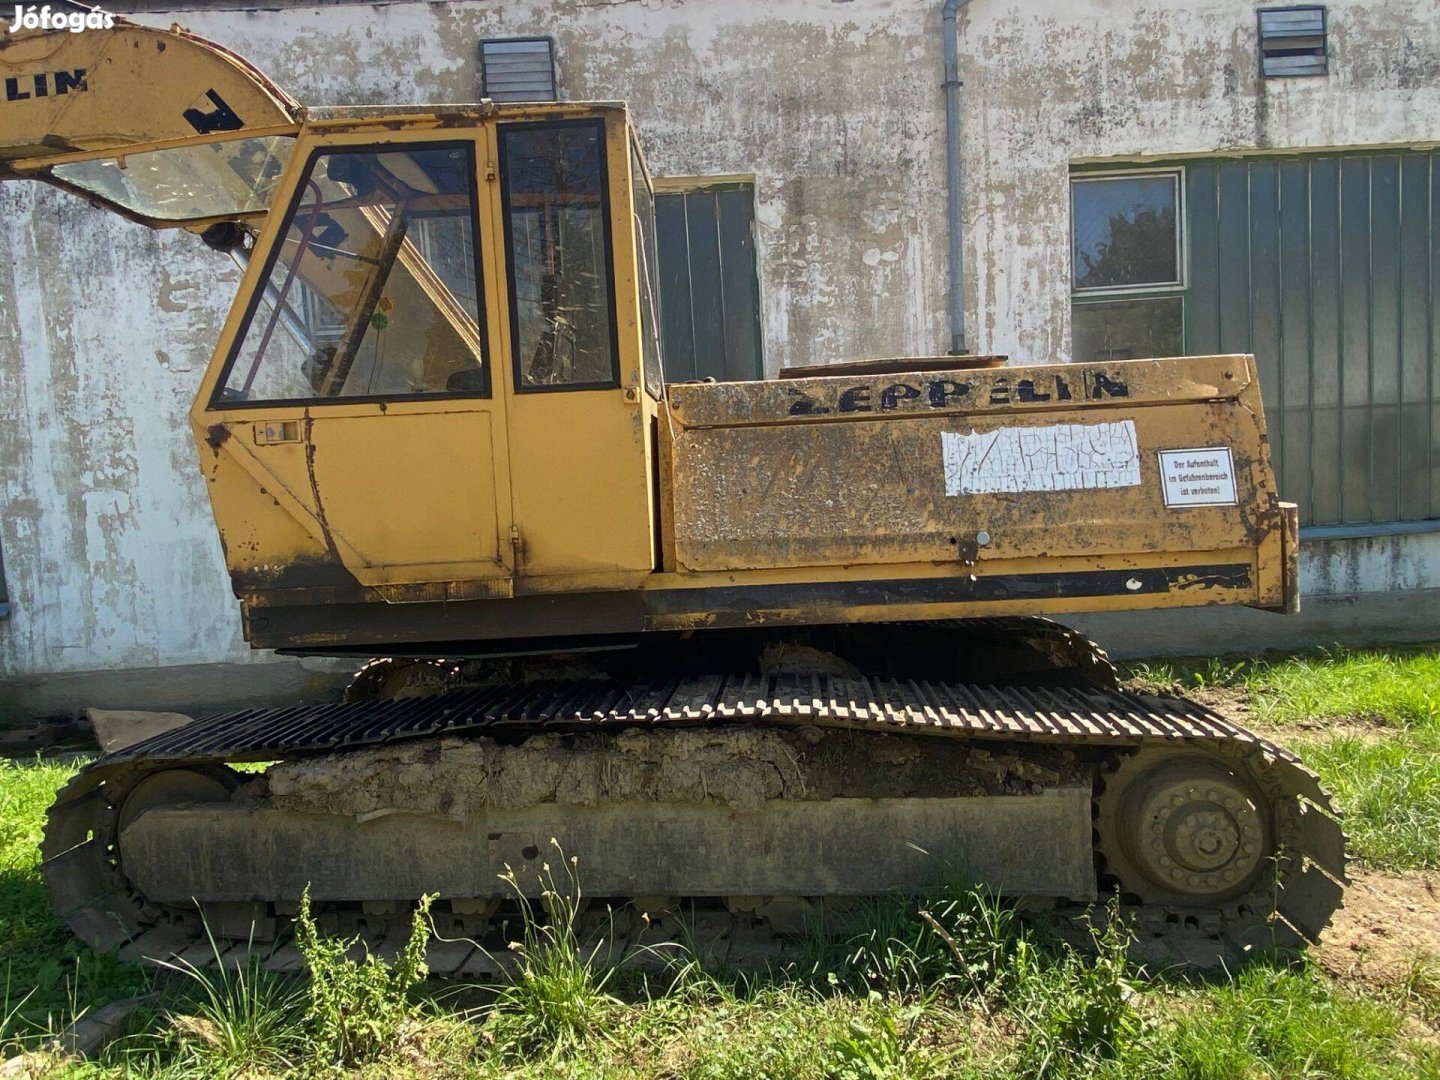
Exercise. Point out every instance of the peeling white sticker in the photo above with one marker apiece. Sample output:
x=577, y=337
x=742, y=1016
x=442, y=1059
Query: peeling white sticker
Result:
x=1203, y=477
x=1045, y=457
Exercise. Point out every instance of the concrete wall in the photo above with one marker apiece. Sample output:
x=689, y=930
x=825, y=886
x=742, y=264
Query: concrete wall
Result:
x=1047, y=85
x=834, y=105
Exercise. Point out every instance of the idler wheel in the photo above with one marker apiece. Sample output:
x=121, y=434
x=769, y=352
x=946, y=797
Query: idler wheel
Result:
x=1180, y=826
x=171, y=787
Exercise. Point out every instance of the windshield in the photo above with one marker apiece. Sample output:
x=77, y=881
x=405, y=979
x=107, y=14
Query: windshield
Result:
x=373, y=288
x=180, y=183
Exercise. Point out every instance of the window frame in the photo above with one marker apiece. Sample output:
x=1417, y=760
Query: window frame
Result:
x=1176, y=174
x=487, y=352
x=647, y=270
x=607, y=211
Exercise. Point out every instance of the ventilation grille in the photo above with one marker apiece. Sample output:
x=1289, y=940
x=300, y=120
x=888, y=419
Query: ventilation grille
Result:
x=1292, y=41
x=518, y=69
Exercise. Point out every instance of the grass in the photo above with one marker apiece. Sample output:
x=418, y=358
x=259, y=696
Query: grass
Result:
x=1389, y=687
x=1281, y=1022
x=1382, y=761
x=47, y=976
x=232, y=1018
x=951, y=984
x=1390, y=791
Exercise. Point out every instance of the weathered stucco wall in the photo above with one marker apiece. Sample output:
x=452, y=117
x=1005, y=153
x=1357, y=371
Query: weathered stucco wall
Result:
x=835, y=108
x=110, y=557
x=834, y=105
x=1050, y=84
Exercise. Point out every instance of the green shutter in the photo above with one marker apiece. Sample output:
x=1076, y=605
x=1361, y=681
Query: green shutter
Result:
x=709, y=288
x=1325, y=267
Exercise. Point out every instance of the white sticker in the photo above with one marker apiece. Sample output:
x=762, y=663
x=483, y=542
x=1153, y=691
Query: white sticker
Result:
x=1203, y=477
x=1045, y=457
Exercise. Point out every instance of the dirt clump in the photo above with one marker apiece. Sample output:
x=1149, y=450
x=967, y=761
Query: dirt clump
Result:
x=735, y=765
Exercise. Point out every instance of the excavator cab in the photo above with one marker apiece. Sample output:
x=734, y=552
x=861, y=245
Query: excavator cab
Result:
x=422, y=377
x=419, y=393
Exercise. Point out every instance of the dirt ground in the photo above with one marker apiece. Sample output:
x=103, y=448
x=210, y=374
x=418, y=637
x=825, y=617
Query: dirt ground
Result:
x=1390, y=924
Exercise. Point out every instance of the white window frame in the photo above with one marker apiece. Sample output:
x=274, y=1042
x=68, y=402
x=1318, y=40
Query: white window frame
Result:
x=1177, y=176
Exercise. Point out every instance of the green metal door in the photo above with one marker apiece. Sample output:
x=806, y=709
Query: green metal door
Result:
x=1325, y=267
x=709, y=288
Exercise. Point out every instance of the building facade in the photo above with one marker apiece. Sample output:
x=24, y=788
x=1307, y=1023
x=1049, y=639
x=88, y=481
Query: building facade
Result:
x=1136, y=179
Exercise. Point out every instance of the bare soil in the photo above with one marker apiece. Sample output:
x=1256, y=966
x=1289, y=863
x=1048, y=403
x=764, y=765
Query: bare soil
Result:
x=1389, y=924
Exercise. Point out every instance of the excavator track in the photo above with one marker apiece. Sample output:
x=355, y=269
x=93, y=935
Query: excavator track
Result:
x=1287, y=905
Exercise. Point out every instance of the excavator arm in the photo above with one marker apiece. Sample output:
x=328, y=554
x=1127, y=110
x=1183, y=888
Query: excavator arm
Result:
x=161, y=126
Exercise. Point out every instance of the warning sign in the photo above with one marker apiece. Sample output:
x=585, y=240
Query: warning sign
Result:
x=1203, y=477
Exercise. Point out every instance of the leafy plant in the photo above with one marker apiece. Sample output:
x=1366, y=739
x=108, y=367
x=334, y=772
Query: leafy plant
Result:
x=358, y=1009
x=880, y=1045
x=1077, y=1010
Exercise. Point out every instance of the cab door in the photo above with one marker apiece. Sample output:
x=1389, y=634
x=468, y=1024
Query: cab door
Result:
x=579, y=420
x=358, y=394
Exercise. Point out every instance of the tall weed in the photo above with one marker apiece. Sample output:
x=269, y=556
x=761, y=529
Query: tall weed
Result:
x=555, y=999
x=359, y=1009
x=1076, y=1010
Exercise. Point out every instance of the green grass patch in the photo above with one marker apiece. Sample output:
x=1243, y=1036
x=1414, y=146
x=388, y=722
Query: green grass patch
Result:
x=1397, y=686
x=1389, y=790
x=47, y=976
x=1281, y=1023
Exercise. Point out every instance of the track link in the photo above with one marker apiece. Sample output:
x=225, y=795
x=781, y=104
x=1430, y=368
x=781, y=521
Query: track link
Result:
x=1290, y=906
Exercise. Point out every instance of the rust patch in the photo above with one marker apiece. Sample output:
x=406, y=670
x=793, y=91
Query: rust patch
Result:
x=315, y=488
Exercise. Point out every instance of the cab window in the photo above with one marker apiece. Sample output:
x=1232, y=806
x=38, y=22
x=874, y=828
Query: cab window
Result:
x=181, y=183
x=373, y=289
x=557, y=234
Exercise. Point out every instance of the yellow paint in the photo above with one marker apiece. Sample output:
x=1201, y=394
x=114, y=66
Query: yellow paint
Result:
x=554, y=490
x=810, y=480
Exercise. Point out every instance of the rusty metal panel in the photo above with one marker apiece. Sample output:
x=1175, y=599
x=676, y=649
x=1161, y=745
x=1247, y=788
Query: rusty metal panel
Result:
x=960, y=467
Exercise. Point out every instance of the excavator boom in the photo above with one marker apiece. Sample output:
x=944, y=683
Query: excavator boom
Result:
x=139, y=119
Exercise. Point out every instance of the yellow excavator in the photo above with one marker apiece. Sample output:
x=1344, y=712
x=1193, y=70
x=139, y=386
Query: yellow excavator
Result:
x=746, y=651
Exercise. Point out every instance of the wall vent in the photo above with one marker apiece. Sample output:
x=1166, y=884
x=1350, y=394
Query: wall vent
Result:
x=1292, y=41
x=518, y=69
